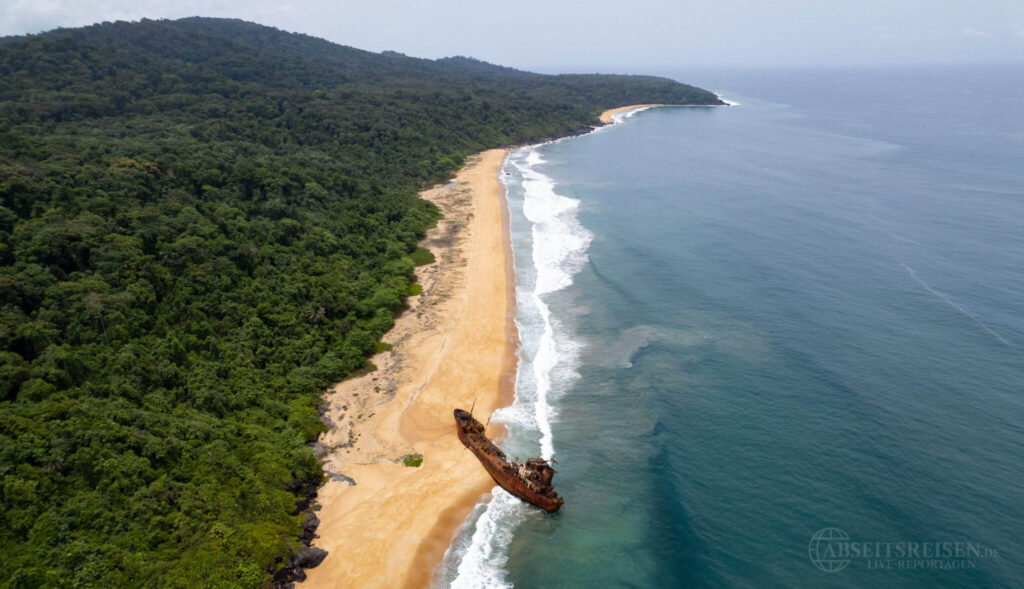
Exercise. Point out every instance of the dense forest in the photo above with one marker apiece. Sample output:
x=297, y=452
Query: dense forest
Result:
x=204, y=223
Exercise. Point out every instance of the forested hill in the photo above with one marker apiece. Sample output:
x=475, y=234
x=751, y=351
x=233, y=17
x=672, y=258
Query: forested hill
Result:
x=203, y=223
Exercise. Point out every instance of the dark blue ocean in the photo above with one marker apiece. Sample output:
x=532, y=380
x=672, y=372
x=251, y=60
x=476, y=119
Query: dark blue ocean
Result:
x=779, y=344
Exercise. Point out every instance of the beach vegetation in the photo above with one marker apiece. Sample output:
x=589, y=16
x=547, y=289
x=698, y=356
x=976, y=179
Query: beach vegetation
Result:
x=421, y=256
x=412, y=460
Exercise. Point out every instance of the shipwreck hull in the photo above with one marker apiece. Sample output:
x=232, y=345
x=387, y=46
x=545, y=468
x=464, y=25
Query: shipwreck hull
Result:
x=471, y=434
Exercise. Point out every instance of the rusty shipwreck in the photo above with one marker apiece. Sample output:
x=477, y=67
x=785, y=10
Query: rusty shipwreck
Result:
x=530, y=481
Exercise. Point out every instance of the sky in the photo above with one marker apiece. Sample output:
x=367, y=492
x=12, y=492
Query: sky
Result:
x=605, y=36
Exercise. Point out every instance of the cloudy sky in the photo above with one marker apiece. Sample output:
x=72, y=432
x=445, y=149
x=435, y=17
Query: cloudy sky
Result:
x=598, y=35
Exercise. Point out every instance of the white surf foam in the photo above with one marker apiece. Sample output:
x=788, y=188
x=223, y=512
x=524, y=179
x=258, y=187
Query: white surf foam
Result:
x=622, y=116
x=726, y=101
x=547, y=361
x=483, y=562
x=559, y=252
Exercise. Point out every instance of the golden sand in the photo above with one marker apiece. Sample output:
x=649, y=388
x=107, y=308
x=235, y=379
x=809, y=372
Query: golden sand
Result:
x=454, y=345
x=606, y=116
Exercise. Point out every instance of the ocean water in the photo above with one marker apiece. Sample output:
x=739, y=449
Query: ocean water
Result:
x=777, y=344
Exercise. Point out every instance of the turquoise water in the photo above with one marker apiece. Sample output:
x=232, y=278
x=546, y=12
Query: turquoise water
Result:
x=744, y=325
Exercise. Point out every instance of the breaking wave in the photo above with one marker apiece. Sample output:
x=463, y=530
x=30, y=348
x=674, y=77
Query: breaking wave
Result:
x=556, y=244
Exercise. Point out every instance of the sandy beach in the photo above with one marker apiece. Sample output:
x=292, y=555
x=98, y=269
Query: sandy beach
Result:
x=385, y=524
x=454, y=345
x=606, y=116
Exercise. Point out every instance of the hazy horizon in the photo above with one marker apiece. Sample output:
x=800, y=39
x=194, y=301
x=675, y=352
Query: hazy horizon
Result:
x=601, y=36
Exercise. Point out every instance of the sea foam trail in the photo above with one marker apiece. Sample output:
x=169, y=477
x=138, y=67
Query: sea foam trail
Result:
x=558, y=243
x=949, y=301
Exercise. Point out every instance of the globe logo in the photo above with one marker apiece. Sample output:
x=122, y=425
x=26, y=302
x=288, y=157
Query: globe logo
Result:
x=825, y=552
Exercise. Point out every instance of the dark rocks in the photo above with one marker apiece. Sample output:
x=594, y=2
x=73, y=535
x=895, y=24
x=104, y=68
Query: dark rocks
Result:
x=307, y=556
x=310, y=557
x=283, y=579
x=294, y=570
x=337, y=476
x=309, y=526
x=305, y=490
x=311, y=522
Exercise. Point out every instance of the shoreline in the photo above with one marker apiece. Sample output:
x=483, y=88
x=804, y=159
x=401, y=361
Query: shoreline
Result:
x=454, y=344
x=608, y=116
x=382, y=523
